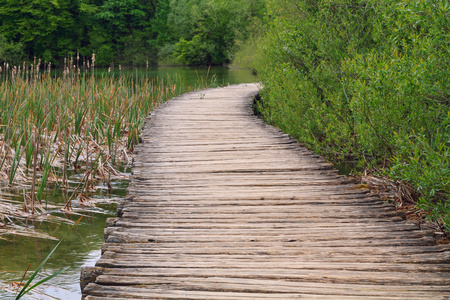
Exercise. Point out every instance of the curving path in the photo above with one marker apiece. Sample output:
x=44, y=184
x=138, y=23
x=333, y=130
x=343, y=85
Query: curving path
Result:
x=222, y=206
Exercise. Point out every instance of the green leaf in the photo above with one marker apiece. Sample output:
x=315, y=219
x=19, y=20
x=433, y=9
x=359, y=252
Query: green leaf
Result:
x=24, y=289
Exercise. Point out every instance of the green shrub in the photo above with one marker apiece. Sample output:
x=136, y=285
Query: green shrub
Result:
x=10, y=52
x=367, y=80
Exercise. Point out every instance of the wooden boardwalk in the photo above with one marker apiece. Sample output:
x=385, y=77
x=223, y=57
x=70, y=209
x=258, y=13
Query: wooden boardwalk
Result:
x=222, y=206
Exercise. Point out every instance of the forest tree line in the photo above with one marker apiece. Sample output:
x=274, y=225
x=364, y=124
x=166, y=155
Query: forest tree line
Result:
x=127, y=32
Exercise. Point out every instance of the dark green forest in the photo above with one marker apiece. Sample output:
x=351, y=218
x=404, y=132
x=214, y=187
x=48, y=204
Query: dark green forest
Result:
x=127, y=32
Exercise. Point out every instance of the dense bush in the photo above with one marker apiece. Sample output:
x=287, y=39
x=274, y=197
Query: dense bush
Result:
x=10, y=52
x=368, y=80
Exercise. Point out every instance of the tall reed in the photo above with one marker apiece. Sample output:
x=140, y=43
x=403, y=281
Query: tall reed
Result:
x=49, y=124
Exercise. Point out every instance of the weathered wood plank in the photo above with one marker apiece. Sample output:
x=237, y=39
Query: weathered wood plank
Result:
x=319, y=257
x=418, y=281
x=289, y=266
x=213, y=291
x=222, y=206
x=436, y=252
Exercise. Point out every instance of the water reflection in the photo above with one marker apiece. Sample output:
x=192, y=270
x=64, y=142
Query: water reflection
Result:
x=80, y=247
x=189, y=75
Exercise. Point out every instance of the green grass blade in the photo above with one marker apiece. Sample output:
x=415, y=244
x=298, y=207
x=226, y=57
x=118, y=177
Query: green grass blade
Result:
x=24, y=290
x=45, y=280
x=16, y=162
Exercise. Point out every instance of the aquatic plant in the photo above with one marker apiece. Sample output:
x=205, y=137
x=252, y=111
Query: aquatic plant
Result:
x=26, y=289
x=78, y=119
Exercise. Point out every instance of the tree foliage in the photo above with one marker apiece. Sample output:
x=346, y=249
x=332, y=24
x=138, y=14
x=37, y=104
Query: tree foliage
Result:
x=126, y=31
x=46, y=28
x=207, y=33
x=10, y=52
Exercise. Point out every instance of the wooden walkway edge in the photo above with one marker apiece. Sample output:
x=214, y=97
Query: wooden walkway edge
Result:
x=223, y=206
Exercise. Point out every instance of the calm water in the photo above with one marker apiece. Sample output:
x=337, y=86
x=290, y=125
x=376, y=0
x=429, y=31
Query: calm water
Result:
x=81, y=246
x=190, y=75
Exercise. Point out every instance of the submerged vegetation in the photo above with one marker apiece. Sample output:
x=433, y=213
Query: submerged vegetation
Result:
x=365, y=81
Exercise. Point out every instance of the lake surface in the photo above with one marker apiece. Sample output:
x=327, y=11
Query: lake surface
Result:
x=188, y=76
x=82, y=245
x=223, y=75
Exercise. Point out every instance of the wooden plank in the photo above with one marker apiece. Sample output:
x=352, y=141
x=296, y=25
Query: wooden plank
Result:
x=294, y=240
x=158, y=292
x=269, y=233
x=288, y=266
x=420, y=259
x=274, y=282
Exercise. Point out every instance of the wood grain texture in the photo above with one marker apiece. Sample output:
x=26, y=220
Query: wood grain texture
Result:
x=223, y=206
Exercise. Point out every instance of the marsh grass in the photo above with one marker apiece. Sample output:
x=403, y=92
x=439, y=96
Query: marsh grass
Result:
x=79, y=120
